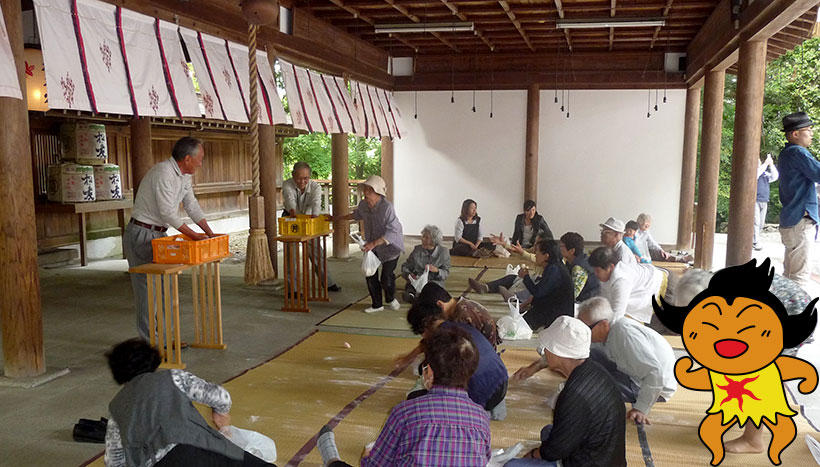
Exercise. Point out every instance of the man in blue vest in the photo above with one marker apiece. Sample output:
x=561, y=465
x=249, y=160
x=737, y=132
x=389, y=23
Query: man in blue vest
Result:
x=799, y=171
x=766, y=174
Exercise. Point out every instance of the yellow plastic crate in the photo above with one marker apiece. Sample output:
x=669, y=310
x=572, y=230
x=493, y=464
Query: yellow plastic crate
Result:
x=291, y=226
x=179, y=249
x=303, y=225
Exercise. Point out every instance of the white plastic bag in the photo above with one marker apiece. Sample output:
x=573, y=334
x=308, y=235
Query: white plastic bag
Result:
x=357, y=237
x=251, y=441
x=513, y=326
x=513, y=269
x=501, y=252
x=370, y=263
x=419, y=282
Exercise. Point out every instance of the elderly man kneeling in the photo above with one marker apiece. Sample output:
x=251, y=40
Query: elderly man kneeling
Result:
x=639, y=359
x=589, y=425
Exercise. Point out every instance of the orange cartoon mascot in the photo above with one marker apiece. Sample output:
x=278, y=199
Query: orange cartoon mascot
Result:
x=736, y=330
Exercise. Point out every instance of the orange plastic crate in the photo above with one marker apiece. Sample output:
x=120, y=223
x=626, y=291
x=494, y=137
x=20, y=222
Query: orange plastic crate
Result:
x=169, y=250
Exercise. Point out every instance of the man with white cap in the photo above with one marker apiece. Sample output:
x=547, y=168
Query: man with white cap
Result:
x=640, y=360
x=589, y=422
x=612, y=233
x=383, y=234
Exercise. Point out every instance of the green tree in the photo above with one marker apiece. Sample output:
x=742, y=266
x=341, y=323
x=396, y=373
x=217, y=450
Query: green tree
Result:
x=315, y=149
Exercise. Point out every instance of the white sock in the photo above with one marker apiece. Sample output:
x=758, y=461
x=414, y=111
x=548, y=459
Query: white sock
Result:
x=326, y=444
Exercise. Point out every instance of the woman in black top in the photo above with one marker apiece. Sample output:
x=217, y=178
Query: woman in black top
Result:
x=531, y=222
x=552, y=292
x=468, y=239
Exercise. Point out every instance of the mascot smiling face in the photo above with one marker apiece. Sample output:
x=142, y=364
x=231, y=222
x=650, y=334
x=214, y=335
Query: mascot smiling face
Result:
x=736, y=330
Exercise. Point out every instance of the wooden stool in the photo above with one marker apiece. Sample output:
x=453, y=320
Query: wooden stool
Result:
x=304, y=271
x=163, y=308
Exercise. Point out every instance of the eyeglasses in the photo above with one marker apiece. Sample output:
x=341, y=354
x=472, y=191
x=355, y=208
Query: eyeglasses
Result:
x=592, y=326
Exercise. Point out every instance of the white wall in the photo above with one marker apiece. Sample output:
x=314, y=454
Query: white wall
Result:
x=608, y=159
x=450, y=153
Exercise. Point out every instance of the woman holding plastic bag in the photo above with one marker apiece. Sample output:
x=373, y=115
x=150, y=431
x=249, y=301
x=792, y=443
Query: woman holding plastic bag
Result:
x=383, y=236
x=428, y=262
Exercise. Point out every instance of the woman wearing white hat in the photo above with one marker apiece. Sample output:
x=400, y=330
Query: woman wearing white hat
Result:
x=383, y=234
x=589, y=421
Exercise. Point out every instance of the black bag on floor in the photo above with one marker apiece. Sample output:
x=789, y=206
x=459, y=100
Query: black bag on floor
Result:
x=90, y=431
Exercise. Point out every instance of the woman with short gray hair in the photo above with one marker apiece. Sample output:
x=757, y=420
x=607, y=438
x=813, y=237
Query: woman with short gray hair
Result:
x=430, y=254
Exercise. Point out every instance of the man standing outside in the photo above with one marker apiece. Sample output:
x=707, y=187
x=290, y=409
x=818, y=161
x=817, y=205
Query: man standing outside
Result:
x=766, y=174
x=799, y=171
x=156, y=207
x=301, y=195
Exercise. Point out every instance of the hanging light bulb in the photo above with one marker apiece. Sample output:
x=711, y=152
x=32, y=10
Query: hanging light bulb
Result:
x=567, y=103
x=473, y=100
x=416, y=105
x=648, y=98
x=656, y=99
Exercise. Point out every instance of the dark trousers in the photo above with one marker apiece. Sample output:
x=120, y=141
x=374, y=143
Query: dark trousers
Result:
x=506, y=281
x=184, y=455
x=387, y=283
x=629, y=389
x=461, y=249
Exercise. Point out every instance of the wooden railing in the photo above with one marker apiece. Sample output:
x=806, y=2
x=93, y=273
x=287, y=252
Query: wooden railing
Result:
x=327, y=195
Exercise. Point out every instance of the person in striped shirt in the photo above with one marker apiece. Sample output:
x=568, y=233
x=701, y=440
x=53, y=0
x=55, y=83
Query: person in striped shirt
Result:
x=443, y=427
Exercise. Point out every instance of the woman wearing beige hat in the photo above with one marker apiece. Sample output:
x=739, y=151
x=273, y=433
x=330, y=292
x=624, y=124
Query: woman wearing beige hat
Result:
x=383, y=234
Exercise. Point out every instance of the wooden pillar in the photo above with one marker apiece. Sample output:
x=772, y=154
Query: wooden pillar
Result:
x=142, y=158
x=709, y=168
x=267, y=187
x=341, y=194
x=686, y=210
x=746, y=151
x=387, y=165
x=21, y=317
x=531, y=155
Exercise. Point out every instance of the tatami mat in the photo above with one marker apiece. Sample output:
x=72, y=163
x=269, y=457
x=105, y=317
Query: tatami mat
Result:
x=492, y=262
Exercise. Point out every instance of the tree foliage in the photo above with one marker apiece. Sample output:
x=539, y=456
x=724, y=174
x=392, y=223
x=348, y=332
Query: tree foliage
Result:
x=365, y=155
x=792, y=85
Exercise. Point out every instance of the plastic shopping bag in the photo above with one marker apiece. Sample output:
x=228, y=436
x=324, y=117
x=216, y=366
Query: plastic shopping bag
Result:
x=251, y=441
x=513, y=326
x=357, y=237
x=513, y=269
x=419, y=282
x=370, y=263
x=501, y=252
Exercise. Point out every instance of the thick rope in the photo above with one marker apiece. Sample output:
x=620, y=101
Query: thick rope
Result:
x=254, y=127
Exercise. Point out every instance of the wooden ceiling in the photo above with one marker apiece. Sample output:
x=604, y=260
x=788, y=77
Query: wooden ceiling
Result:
x=517, y=26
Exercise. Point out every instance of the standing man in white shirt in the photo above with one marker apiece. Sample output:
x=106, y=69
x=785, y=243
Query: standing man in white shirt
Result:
x=156, y=207
x=301, y=195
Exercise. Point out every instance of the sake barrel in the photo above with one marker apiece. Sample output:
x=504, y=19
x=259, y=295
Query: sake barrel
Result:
x=107, y=182
x=71, y=183
x=84, y=143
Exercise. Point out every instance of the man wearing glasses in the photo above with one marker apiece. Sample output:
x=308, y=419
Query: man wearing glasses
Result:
x=799, y=171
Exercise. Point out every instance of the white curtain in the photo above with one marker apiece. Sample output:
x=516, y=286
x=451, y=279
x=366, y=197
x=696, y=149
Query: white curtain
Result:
x=9, y=84
x=215, y=52
x=64, y=71
x=177, y=68
x=145, y=65
x=326, y=107
x=96, y=30
x=268, y=81
x=342, y=103
x=210, y=98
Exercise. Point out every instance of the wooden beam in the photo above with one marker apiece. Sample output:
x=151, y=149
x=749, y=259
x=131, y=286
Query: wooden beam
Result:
x=404, y=41
x=416, y=19
x=387, y=166
x=463, y=17
x=716, y=45
x=21, y=317
x=532, y=140
x=709, y=169
x=686, y=208
x=341, y=193
x=746, y=151
x=611, y=37
x=268, y=177
x=665, y=15
x=516, y=23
